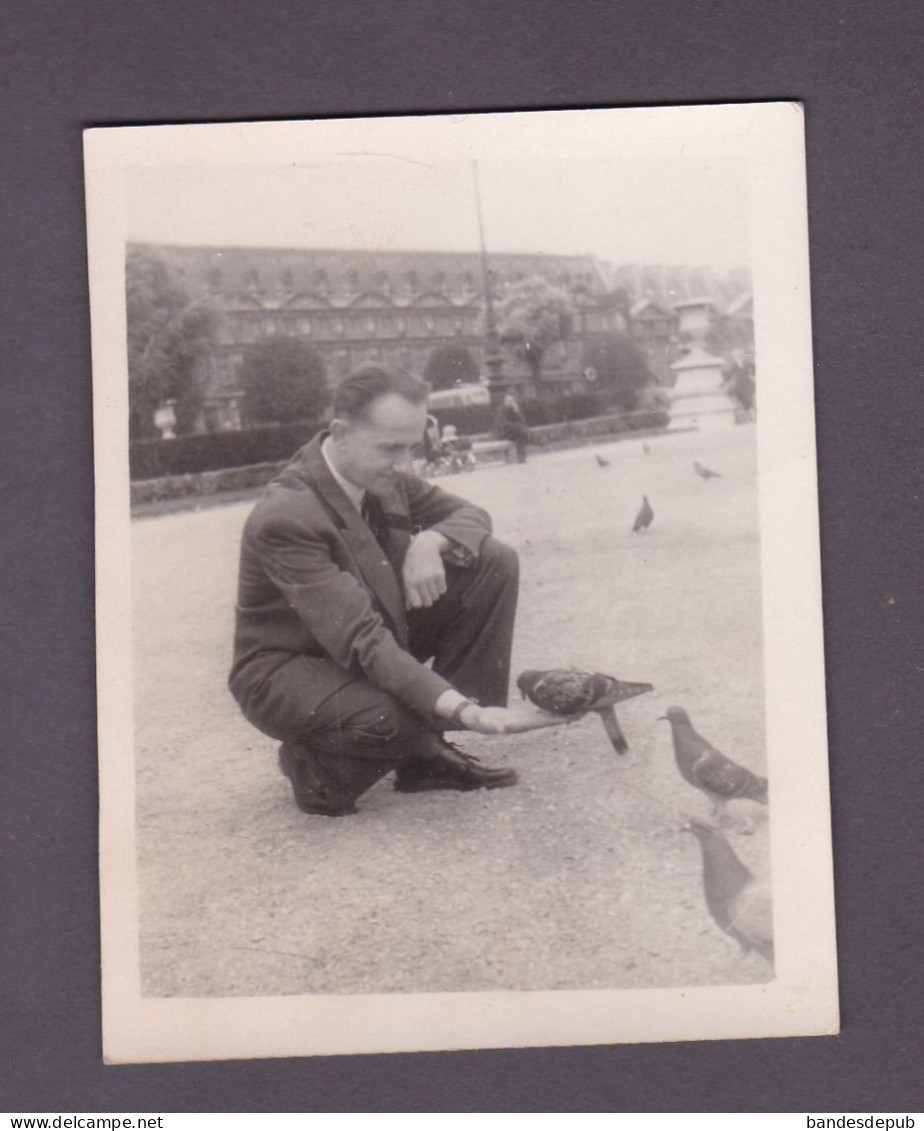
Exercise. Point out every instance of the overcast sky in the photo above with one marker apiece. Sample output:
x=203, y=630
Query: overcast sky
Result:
x=691, y=212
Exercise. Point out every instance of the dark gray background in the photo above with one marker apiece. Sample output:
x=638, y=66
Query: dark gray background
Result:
x=856, y=66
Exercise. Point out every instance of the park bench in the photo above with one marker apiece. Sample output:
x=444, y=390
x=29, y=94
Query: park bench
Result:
x=487, y=450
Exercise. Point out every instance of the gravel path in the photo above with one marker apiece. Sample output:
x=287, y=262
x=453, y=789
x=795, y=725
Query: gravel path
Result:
x=578, y=878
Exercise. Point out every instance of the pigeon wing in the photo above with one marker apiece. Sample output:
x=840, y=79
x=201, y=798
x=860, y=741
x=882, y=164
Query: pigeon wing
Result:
x=719, y=775
x=564, y=691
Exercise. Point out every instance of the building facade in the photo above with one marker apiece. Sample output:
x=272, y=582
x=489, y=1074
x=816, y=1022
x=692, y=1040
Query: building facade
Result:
x=398, y=307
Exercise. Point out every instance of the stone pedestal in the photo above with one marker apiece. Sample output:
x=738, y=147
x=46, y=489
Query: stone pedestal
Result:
x=698, y=399
x=165, y=420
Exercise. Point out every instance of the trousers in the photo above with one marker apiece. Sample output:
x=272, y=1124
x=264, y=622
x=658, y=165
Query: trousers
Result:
x=361, y=733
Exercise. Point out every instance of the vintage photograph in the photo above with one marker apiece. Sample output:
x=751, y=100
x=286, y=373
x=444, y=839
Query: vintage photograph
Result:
x=459, y=626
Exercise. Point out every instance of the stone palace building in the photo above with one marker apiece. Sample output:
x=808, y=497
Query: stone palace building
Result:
x=397, y=307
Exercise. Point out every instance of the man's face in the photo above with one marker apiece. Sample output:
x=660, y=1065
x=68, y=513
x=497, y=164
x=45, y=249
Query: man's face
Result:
x=369, y=452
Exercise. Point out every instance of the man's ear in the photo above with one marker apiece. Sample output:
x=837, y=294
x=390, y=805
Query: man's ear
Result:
x=338, y=429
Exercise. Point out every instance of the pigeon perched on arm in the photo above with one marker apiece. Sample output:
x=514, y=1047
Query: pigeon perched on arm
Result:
x=740, y=904
x=572, y=691
x=601, y=462
x=708, y=769
x=705, y=472
x=644, y=517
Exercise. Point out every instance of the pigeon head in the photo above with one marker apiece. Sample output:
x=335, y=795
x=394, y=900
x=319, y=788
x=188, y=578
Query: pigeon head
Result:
x=676, y=715
x=526, y=681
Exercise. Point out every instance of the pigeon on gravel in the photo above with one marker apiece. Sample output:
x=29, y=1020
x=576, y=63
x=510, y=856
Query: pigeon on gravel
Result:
x=739, y=903
x=645, y=447
x=705, y=472
x=572, y=691
x=708, y=769
x=644, y=517
x=601, y=462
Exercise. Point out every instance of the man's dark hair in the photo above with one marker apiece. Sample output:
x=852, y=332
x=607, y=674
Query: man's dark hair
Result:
x=355, y=394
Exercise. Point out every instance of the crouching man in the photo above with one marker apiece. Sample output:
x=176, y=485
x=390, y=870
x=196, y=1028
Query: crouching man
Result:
x=375, y=611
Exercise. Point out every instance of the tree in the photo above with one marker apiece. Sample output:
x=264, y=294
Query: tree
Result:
x=533, y=315
x=622, y=371
x=450, y=364
x=167, y=336
x=284, y=380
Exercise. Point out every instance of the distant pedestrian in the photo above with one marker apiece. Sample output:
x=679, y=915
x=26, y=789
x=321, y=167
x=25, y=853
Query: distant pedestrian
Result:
x=510, y=425
x=431, y=439
x=740, y=383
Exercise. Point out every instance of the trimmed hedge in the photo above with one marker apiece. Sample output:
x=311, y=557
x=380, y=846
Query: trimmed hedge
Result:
x=204, y=483
x=212, y=451
x=215, y=451
x=471, y=420
x=209, y=483
x=566, y=431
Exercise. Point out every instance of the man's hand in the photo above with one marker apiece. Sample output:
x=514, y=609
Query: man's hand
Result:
x=508, y=720
x=424, y=573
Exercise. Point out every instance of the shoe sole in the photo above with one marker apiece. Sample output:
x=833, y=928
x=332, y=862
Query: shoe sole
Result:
x=314, y=810
x=425, y=787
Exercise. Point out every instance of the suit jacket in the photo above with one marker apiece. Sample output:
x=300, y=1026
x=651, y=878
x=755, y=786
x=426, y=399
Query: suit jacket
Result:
x=319, y=602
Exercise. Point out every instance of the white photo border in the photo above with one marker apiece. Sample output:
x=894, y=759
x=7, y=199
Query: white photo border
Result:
x=802, y=1000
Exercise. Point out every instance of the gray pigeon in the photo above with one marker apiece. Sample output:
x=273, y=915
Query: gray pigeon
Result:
x=740, y=904
x=705, y=472
x=708, y=769
x=644, y=517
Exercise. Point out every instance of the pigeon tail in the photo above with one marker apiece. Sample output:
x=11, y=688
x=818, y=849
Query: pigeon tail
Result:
x=618, y=690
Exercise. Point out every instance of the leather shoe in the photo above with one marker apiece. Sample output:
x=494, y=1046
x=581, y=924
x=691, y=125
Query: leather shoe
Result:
x=450, y=768
x=309, y=792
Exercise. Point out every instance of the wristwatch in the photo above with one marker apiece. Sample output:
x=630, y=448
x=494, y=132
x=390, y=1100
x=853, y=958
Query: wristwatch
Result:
x=456, y=716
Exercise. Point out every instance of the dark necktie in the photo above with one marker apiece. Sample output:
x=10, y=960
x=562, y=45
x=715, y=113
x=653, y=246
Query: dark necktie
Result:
x=374, y=518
